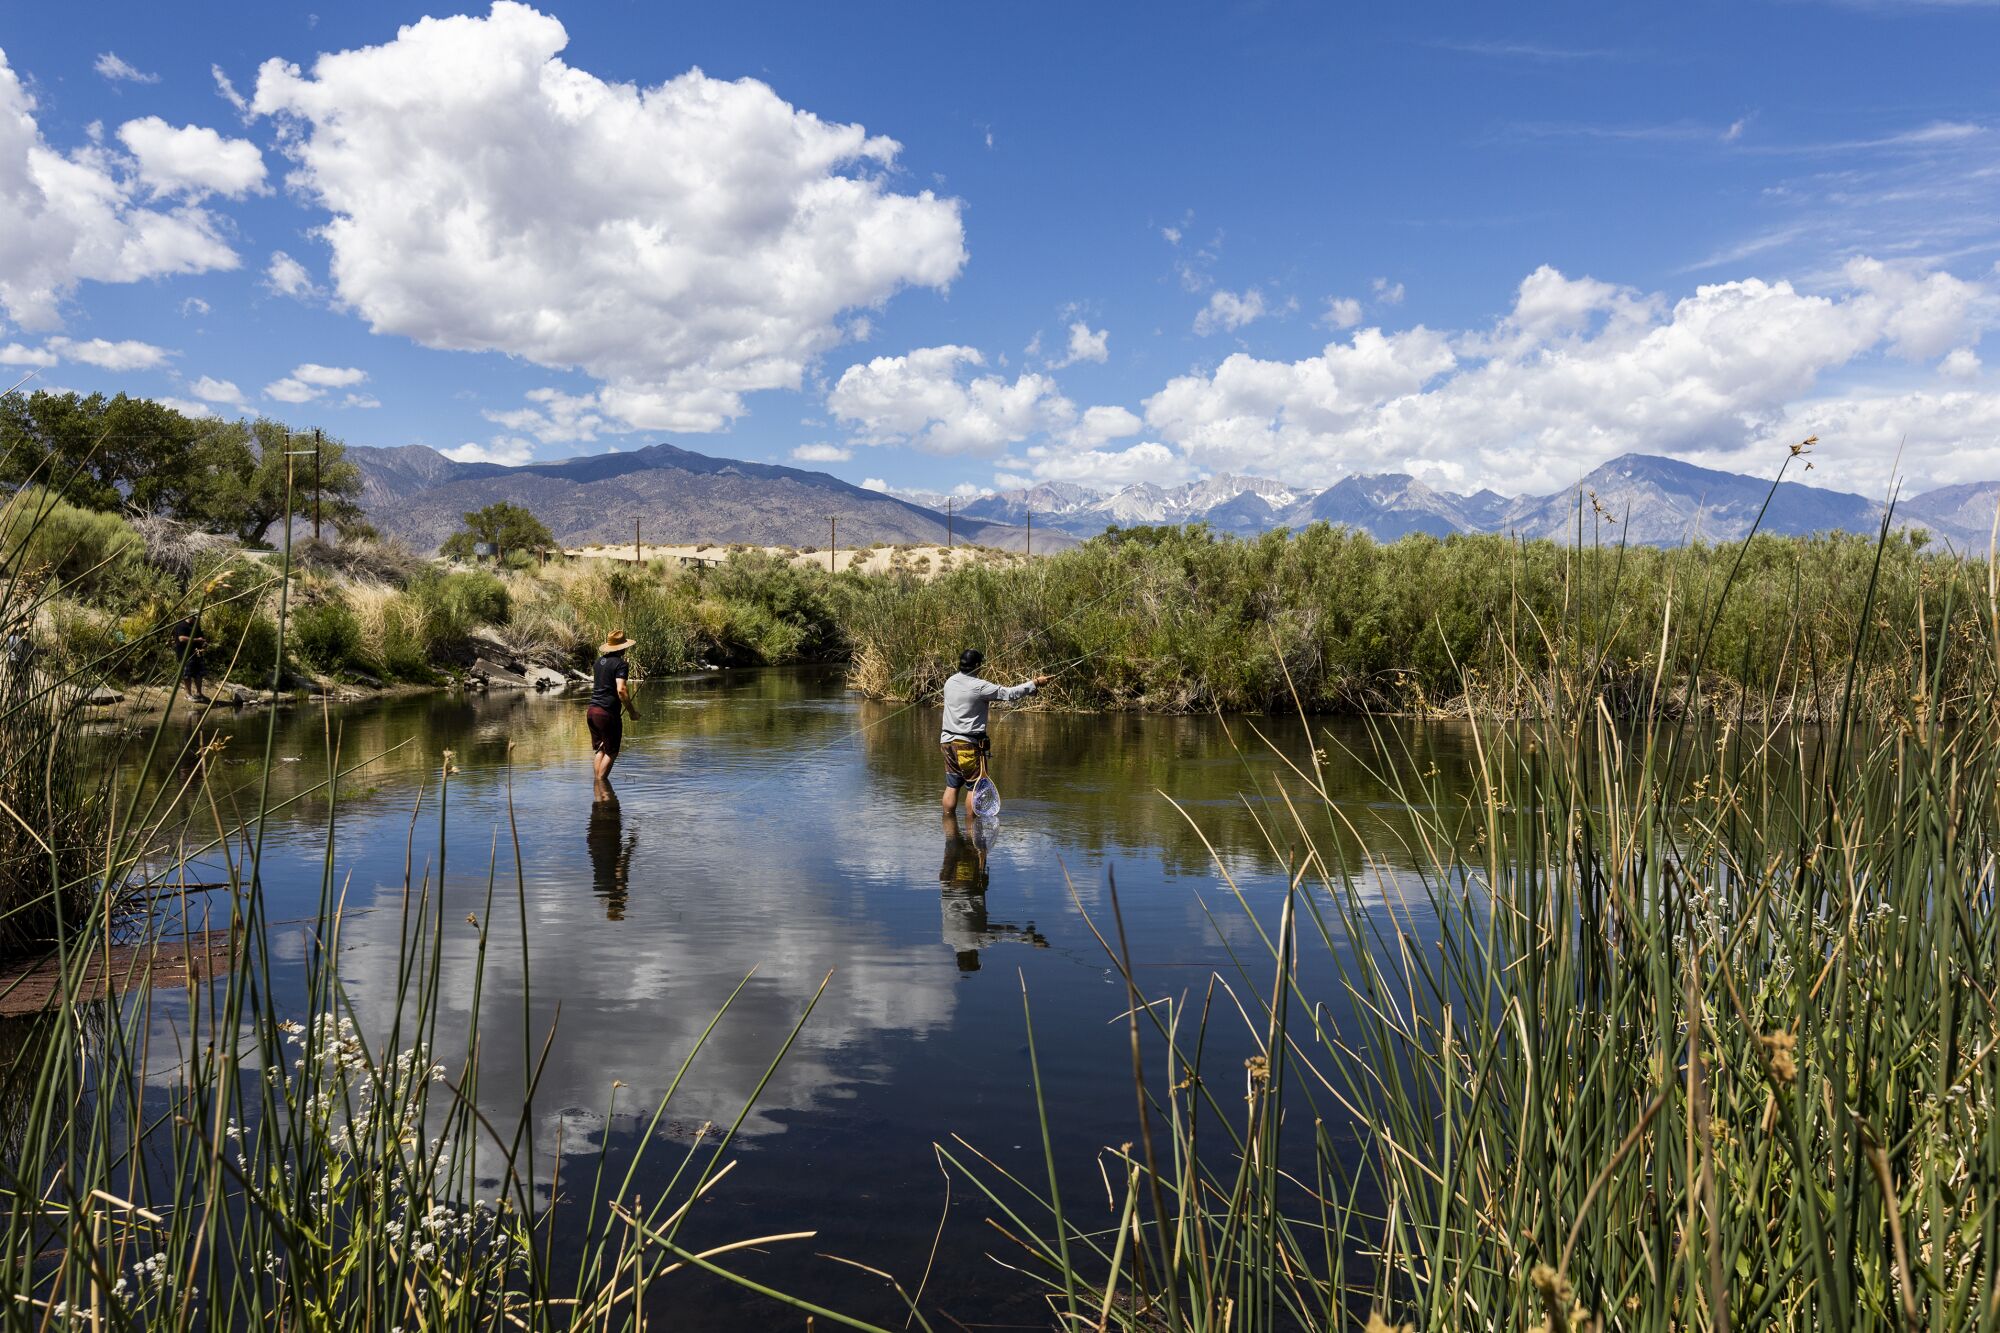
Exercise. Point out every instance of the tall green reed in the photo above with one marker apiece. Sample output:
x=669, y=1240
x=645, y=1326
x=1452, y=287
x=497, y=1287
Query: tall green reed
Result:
x=1670, y=1026
x=1183, y=620
x=251, y=1152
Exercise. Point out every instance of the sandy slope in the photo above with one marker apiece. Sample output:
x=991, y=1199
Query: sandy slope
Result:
x=926, y=561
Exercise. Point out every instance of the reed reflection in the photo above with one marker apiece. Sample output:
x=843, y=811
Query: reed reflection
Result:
x=965, y=876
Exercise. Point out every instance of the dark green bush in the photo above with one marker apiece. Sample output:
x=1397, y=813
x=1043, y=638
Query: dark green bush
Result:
x=242, y=642
x=91, y=555
x=326, y=637
x=454, y=604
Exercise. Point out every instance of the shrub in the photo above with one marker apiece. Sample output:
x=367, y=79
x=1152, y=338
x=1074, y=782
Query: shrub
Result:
x=92, y=555
x=452, y=605
x=78, y=636
x=326, y=636
x=666, y=641
x=242, y=640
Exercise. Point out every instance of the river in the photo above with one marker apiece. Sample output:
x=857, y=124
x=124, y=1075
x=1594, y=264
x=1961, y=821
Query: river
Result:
x=775, y=822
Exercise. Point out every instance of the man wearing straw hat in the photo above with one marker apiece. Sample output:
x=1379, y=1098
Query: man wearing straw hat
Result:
x=609, y=693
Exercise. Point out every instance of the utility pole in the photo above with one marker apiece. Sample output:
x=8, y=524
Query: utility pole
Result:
x=832, y=541
x=947, y=522
x=316, y=449
x=1031, y=532
x=635, y=541
x=290, y=468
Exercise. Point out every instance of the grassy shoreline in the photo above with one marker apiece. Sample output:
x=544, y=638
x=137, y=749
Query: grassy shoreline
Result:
x=1152, y=620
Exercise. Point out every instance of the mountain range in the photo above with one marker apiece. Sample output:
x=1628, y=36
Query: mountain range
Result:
x=1648, y=499
x=417, y=494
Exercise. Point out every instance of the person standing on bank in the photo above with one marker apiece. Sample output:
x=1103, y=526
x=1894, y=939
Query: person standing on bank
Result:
x=964, y=742
x=188, y=643
x=610, y=698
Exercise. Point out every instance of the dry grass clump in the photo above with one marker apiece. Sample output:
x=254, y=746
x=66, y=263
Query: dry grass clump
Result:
x=387, y=562
x=549, y=623
x=390, y=621
x=180, y=548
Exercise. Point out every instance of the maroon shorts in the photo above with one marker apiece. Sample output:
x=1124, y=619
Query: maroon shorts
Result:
x=607, y=729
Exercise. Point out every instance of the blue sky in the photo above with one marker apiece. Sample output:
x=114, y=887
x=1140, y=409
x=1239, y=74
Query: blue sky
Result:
x=968, y=246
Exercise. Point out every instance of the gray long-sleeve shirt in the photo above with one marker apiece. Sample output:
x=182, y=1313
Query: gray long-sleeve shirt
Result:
x=966, y=699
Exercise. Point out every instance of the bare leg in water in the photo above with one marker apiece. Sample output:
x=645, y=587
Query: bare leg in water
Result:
x=600, y=765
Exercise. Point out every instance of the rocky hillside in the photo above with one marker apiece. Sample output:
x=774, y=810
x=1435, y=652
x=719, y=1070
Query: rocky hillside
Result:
x=418, y=495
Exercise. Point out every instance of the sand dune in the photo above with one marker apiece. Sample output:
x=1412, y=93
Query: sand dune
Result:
x=926, y=561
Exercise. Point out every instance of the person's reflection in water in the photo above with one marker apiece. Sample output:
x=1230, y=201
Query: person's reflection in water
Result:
x=964, y=877
x=610, y=856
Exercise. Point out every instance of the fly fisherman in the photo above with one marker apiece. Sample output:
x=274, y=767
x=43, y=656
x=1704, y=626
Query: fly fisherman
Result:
x=610, y=695
x=964, y=742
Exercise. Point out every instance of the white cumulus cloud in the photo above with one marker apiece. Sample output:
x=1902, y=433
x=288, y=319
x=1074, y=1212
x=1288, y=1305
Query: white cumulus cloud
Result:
x=1098, y=425
x=555, y=417
x=1961, y=363
x=310, y=382
x=187, y=407
x=686, y=244
x=286, y=276
x=226, y=90
x=1227, y=311
x=129, y=354
x=77, y=217
x=1342, y=312
x=329, y=377
x=1581, y=370
x=822, y=453
x=1149, y=461
x=14, y=354
x=1085, y=344
x=119, y=70
x=507, y=450
x=923, y=398
x=216, y=391
x=192, y=161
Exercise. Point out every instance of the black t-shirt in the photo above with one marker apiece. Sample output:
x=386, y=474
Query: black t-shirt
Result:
x=604, y=678
x=189, y=629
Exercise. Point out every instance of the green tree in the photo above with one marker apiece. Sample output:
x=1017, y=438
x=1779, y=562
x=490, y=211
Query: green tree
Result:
x=505, y=527
x=125, y=453
x=262, y=503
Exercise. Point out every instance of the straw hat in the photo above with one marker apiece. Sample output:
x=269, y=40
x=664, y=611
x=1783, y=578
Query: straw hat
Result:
x=617, y=643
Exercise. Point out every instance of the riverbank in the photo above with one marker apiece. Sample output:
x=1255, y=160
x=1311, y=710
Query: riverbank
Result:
x=148, y=703
x=1164, y=620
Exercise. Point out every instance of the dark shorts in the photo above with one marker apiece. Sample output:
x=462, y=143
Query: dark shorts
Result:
x=961, y=760
x=196, y=668
x=607, y=730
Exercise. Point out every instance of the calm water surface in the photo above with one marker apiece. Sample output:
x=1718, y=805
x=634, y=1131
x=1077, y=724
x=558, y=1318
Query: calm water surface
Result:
x=775, y=822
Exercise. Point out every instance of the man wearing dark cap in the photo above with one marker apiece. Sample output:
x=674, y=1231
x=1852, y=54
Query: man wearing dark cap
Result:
x=964, y=742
